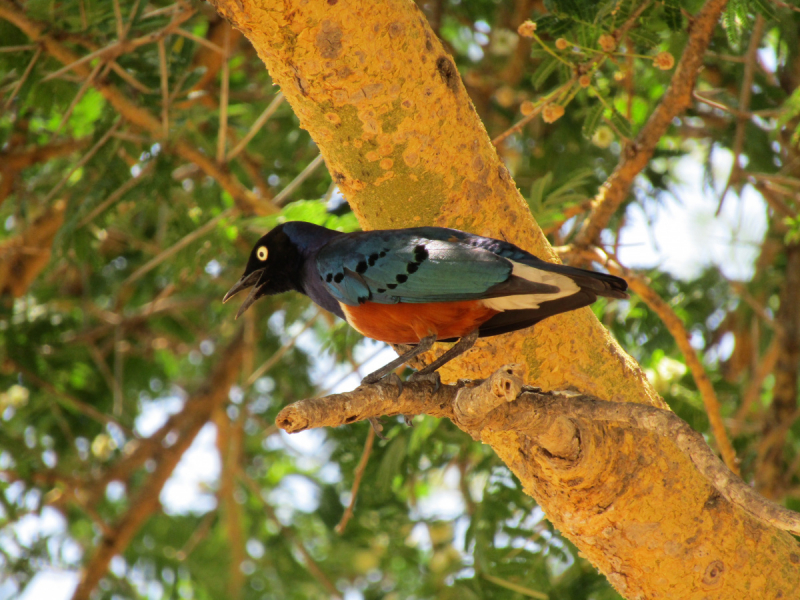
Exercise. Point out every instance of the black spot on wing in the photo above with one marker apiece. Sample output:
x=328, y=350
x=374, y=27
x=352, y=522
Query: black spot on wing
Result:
x=329, y=277
x=361, y=267
x=383, y=253
x=362, y=299
x=372, y=259
x=401, y=278
x=412, y=267
x=380, y=290
x=420, y=253
x=391, y=286
x=338, y=278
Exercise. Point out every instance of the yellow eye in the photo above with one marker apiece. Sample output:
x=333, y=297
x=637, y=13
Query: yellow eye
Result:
x=261, y=253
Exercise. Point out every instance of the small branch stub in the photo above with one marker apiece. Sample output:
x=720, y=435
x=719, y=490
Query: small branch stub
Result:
x=473, y=405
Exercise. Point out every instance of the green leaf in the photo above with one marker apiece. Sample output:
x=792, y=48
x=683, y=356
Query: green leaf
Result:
x=764, y=7
x=543, y=72
x=672, y=15
x=644, y=38
x=577, y=179
x=592, y=120
x=538, y=188
x=733, y=21
x=622, y=124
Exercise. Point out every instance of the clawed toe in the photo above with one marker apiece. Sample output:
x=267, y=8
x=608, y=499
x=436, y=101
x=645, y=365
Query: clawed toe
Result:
x=377, y=426
x=390, y=378
x=429, y=377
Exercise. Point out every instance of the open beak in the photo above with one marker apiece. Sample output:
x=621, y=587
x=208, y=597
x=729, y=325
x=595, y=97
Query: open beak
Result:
x=251, y=280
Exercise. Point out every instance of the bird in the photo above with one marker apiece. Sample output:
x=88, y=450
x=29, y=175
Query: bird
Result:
x=419, y=285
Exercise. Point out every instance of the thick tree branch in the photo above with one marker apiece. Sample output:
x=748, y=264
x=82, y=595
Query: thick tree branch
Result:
x=553, y=422
x=677, y=99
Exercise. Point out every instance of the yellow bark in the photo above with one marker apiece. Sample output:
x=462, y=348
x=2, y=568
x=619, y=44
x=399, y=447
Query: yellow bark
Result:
x=383, y=100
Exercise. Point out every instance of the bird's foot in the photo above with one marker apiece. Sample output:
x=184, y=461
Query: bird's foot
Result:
x=391, y=378
x=377, y=427
x=429, y=377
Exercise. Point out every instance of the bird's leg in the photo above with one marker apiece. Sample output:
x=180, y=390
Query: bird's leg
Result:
x=424, y=345
x=461, y=346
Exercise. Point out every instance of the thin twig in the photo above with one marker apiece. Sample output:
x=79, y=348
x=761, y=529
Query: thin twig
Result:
x=256, y=126
x=22, y=79
x=358, y=474
x=223, y=97
x=197, y=536
x=544, y=101
x=719, y=106
x=289, y=534
x=118, y=193
x=283, y=197
x=130, y=79
x=68, y=400
x=118, y=372
x=127, y=26
x=200, y=40
x=162, y=65
x=515, y=587
x=753, y=390
x=118, y=20
x=163, y=11
x=23, y=48
x=83, y=89
x=177, y=247
x=92, y=151
x=745, y=93
x=120, y=47
x=273, y=360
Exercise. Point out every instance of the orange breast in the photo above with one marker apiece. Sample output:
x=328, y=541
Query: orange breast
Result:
x=408, y=323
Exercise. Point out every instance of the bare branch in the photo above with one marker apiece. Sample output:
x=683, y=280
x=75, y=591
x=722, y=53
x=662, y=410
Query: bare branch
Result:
x=553, y=421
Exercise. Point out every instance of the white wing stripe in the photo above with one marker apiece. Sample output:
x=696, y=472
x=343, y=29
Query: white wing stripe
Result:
x=566, y=286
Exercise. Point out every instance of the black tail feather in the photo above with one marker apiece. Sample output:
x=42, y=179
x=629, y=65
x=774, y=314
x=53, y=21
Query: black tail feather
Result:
x=511, y=320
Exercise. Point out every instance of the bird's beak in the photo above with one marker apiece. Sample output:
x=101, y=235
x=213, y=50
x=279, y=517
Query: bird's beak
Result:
x=251, y=280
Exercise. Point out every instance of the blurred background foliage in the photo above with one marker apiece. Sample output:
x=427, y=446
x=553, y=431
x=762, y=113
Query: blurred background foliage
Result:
x=117, y=244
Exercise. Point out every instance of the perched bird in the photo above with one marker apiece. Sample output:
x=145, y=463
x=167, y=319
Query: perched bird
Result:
x=418, y=286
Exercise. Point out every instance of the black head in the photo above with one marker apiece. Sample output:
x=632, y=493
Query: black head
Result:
x=274, y=266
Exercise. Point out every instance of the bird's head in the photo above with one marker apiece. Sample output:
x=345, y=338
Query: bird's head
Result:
x=273, y=267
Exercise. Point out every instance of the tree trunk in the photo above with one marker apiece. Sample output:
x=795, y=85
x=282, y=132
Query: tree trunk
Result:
x=383, y=100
